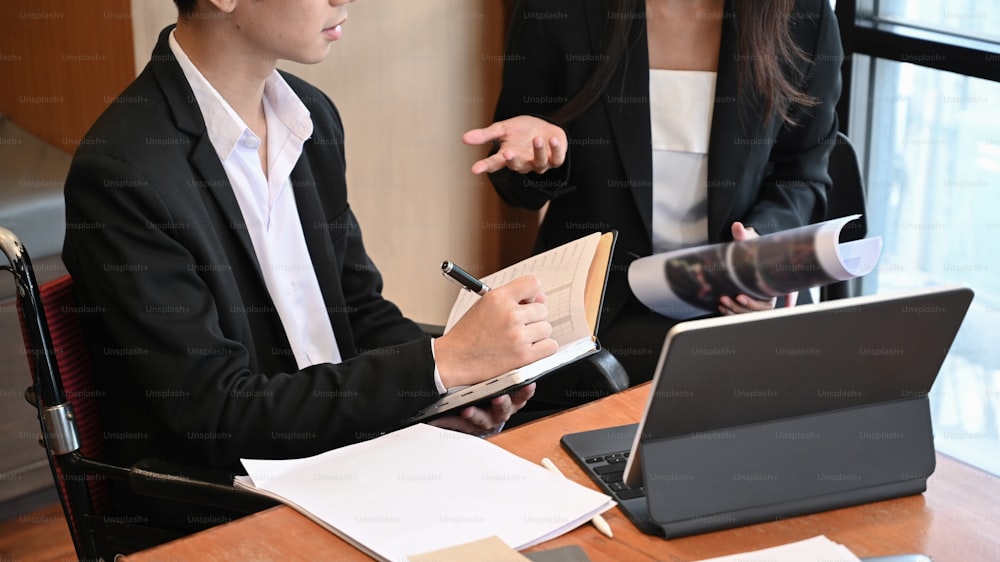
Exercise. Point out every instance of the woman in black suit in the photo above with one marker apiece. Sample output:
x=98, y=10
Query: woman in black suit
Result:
x=675, y=122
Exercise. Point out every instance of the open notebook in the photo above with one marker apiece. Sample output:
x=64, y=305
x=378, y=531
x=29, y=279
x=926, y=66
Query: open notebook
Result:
x=573, y=278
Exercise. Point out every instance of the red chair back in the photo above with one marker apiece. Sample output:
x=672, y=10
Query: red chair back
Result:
x=76, y=373
x=58, y=334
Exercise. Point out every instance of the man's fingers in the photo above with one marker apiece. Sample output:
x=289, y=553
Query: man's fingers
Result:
x=539, y=298
x=482, y=420
x=525, y=288
x=543, y=348
x=537, y=331
x=530, y=313
x=520, y=396
x=470, y=420
x=500, y=402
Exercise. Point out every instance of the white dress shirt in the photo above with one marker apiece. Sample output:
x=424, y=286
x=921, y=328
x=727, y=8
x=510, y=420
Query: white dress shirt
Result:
x=268, y=204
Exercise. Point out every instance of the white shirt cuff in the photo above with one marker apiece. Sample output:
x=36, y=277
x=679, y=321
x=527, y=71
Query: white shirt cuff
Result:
x=437, y=376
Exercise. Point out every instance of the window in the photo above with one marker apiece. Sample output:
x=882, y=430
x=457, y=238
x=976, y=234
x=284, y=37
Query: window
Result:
x=934, y=195
x=924, y=110
x=969, y=18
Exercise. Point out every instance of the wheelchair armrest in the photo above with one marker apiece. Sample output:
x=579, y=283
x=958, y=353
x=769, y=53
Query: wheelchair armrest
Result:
x=198, y=485
x=432, y=330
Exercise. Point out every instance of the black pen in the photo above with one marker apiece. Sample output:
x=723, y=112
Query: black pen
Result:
x=463, y=278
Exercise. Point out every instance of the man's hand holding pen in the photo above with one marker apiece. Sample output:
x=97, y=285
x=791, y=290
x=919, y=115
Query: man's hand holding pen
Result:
x=507, y=328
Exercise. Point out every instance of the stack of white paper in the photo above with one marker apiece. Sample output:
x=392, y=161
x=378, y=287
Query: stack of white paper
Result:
x=815, y=549
x=424, y=488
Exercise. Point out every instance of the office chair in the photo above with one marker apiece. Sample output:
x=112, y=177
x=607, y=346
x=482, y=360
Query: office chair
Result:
x=64, y=395
x=846, y=197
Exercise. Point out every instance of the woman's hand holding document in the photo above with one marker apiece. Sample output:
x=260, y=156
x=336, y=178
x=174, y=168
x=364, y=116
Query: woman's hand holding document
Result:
x=690, y=282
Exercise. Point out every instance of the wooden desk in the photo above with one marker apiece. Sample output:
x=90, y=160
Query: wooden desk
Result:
x=958, y=518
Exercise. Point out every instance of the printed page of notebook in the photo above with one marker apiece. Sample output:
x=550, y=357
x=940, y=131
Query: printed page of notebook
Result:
x=815, y=549
x=424, y=488
x=563, y=274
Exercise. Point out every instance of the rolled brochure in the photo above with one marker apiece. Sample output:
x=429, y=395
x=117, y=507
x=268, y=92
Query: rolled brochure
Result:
x=689, y=282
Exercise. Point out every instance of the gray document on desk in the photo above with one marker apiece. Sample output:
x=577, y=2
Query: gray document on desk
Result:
x=571, y=553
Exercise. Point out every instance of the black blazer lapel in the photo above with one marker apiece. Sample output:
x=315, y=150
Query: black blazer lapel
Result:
x=727, y=148
x=203, y=158
x=629, y=118
x=316, y=230
x=627, y=106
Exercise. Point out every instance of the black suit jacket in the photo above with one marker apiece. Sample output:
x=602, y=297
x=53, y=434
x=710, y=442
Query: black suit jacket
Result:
x=767, y=175
x=193, y=362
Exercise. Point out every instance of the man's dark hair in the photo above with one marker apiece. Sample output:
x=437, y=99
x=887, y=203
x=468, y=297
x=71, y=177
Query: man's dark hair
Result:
x=185, y=6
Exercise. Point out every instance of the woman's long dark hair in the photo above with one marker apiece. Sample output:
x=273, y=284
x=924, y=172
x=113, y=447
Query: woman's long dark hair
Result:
x=764, y=43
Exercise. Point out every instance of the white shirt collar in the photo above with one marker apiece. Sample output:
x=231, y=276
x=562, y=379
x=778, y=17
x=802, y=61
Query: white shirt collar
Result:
x=225, y=128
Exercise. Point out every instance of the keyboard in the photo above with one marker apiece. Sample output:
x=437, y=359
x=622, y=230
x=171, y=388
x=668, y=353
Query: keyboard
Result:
x=608, y=472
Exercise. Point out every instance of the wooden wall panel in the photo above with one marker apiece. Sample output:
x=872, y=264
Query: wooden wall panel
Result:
x=62, y=62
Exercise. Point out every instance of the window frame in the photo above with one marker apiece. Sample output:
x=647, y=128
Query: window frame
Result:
x=868, y=39
x=863, y=33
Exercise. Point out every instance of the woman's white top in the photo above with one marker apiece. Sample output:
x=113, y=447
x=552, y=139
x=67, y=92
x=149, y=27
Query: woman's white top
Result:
x=680, y=107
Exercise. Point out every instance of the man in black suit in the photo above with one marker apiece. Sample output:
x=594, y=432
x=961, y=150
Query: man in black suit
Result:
x=238, y=314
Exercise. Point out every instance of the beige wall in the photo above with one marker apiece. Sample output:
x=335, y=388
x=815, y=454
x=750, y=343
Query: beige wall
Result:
x=409, y=77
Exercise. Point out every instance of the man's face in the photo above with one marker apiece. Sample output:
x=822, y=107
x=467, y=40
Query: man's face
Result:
x=296, y=30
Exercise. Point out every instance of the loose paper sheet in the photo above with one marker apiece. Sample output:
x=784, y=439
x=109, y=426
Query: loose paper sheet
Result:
x=424, y=488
